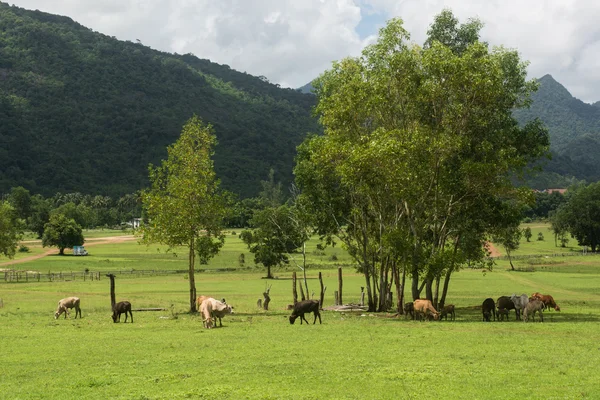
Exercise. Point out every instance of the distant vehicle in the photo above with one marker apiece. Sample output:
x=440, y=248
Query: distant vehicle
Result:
x=79, y=251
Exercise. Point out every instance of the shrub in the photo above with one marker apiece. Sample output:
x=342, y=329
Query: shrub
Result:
x=23, y=249
x=333, y=258
x=540, y=236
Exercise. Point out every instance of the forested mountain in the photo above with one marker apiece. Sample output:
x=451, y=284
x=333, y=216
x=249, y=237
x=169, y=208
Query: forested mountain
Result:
x=574, y=128
x=82, y=111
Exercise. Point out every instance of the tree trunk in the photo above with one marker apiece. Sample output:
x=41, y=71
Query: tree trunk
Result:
x=428, y=289
x=294, y=290
x=269, y=276
x=402, y=286
x=192, y=278
x=510, y=260
x=445, y=289
x=369, y=291
x=396, y=278
x=61, y=251
x=437, y=292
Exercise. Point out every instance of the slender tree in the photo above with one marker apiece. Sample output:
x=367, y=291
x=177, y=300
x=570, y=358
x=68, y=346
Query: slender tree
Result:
x=183, y=206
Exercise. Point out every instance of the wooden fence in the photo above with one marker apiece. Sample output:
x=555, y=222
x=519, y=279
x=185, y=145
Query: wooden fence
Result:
x=33, y=276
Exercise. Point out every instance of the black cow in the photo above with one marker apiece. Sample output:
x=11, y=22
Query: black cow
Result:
x=488, y=308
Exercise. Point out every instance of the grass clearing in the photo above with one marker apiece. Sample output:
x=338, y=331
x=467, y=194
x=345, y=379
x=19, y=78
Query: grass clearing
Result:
x=259, y=355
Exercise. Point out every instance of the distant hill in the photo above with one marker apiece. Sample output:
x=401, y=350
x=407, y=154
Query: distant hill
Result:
x=308, y=88
x=82, y=111
x=574, y=128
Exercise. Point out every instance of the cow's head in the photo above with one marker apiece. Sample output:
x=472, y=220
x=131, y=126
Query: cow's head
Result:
x=486, y=315
x=557, y=308
x=293, y=319
x=56, y=314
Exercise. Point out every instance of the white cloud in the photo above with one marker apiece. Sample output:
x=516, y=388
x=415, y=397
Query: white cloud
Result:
x=292, y=41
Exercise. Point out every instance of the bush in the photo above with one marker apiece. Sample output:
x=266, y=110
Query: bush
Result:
x=333, y=258
x=540, y=236
x=23, y=249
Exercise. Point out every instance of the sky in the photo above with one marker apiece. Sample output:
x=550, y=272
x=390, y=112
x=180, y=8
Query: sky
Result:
x=291, y=42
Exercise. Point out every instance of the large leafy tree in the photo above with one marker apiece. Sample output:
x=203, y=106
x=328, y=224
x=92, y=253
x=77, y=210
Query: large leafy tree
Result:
x=62, y=232
x=418, y=151
x=11, y=229
x=581, y=216
x=183, y=206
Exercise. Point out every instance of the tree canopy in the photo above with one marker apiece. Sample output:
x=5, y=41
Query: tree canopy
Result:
x=420, y=144
x=62, y=232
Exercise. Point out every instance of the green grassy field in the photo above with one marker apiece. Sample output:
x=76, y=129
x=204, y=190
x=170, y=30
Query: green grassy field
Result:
x=259, y=355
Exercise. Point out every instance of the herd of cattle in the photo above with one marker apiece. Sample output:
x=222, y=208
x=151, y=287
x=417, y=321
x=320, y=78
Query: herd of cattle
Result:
x=212, y=309
x=524, y=306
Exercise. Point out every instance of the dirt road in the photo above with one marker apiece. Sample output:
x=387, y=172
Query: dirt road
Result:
x=88, y=242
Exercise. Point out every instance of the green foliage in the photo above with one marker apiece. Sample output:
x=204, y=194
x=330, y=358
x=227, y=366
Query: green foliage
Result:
x=274, y=237
x=62, y=232
x=581, y=215
x=540, y=236
x=11, y=229
x=104, y=109
x=419, y=147
x=184, y=206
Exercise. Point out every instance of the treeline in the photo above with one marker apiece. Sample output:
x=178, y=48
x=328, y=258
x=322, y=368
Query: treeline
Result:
x=85, y=112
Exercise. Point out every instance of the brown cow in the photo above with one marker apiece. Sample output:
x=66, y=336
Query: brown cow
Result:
x=546, y=299
x=425, y=307
x=448, y=310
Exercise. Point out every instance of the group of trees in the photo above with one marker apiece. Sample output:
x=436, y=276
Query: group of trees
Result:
x=413, y=171
x=59, y=220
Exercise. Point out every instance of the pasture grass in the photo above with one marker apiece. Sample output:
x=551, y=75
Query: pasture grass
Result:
x=257, y=354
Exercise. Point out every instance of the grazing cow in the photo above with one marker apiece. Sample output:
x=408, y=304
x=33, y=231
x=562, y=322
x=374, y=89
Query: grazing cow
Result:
x=520, y=302
x=506, y=303
x=448, y=310
x=303, y=307
x=547, y=300
x=531, y=308
x=488, y=309
x=425, y=307
x=122, y=307
x=409, y=309
x=218, y=310
x=199, y=301
x=65, y=304
x=502, y=312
